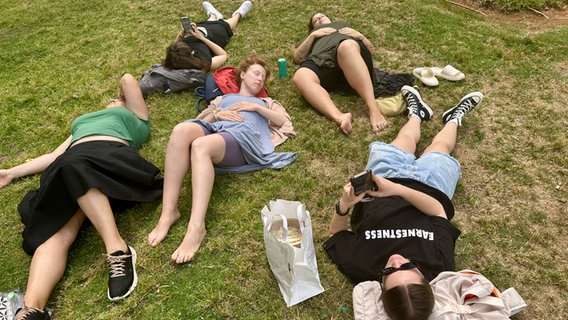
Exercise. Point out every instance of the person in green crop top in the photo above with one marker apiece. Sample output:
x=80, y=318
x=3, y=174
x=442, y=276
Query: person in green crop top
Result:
x=115, y=122
x=95, y=173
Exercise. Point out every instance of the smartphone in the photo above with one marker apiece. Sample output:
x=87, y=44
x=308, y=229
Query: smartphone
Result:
x=362, y=182
x=186, y=24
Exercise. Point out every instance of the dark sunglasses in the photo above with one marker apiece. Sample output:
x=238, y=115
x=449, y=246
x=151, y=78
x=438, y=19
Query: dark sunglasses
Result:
x=405, y=266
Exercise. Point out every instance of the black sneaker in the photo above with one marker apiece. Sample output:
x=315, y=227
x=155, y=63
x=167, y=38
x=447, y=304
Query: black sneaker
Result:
x=122, y=274
x=466, y=104
x=30, y=313
x=415, y=105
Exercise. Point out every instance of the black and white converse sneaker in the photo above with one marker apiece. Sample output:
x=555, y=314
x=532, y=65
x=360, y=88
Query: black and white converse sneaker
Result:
x=122, y=274
x=415, y=105
x=466, y=104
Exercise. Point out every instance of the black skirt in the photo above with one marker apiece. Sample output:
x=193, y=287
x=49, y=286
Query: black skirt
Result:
x=116, y=169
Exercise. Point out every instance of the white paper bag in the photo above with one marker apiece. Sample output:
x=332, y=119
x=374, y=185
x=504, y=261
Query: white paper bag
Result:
x=292, y=261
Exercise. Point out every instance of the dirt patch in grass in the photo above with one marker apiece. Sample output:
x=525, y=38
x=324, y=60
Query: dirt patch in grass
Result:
x=535, y=20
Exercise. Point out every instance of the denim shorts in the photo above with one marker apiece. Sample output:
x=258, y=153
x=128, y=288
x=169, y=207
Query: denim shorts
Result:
x=435, y=169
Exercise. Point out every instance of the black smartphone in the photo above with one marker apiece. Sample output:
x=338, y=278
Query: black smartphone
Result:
x=362, y=182
x=186, y=24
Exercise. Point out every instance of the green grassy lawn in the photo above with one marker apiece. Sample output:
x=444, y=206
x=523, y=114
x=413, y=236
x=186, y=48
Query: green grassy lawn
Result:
x=60, y=59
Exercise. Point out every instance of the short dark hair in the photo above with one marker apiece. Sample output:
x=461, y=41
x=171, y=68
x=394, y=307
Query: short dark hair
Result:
x=249, y=61
x=180, y=56
x=409, y=302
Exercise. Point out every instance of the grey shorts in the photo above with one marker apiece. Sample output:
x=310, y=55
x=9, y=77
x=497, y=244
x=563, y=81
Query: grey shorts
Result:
x=233, y=154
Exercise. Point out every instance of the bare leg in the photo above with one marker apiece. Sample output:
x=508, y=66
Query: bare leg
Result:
x=409, y=135
x=445, y=140
x=49, y=263
x=176, y=167
x=97, y=208
x=310, y=87
x=205, y=152
x=233, y=21
x=355, y=70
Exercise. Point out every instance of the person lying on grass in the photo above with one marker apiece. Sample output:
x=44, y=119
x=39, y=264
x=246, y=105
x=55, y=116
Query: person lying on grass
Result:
x=236, y=133
x=202, y=47
x=401, y=234
x=96, y=172
x=335, y=57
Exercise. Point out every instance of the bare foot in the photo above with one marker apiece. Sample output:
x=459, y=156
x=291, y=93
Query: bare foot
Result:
x=378, y=121
x=161, y=230
x=345, y=123
x=189, y=246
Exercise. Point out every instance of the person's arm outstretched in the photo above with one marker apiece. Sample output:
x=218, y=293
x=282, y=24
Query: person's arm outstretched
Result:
x=423, y=202
x=33, y=166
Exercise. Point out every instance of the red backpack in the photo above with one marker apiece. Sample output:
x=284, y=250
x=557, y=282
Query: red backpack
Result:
x=223, y=81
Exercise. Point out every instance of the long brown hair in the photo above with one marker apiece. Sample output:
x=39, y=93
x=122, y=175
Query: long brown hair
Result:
x=180, y=56
x=409, y=302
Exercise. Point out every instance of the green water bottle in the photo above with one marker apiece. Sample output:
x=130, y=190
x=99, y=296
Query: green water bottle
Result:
x=282, y=68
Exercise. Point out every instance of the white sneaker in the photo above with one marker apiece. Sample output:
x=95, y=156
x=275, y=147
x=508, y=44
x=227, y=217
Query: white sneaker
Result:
x=210, y=10
x=243, y=9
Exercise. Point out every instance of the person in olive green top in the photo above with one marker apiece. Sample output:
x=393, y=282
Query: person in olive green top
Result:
x=336, y=57
x=96, y=172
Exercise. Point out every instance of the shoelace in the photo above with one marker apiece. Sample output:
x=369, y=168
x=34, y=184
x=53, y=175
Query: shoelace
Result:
x=464, y=108
x=117, y=264
x=27, y=311
x=412, y=103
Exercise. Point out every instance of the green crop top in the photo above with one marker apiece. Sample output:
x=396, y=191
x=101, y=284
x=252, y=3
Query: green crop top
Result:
x=116, y=122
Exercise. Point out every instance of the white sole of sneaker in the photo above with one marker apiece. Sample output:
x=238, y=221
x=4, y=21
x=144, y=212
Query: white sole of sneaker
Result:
x=416, y=93
x=134, y=282
x=467, y=96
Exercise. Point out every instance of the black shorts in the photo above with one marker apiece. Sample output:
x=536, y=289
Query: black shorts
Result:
x=333, y=79
x=217, y=31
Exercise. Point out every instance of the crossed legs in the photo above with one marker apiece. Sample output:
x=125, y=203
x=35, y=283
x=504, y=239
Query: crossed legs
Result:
x=50, y=258
x=188, y=148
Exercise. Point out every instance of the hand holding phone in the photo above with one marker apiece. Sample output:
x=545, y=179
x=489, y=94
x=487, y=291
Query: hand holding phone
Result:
x=362, y=182
x=186, y=24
